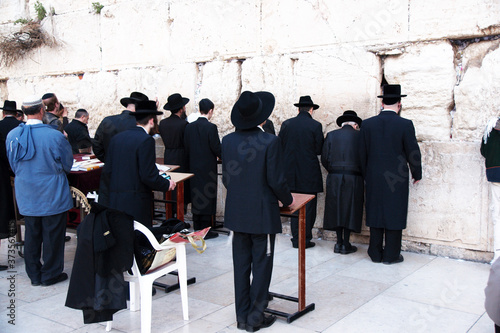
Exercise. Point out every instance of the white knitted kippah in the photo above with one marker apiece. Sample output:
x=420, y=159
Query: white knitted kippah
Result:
x=32, y=101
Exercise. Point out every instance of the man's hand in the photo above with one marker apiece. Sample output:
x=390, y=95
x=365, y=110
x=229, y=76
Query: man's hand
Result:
x=172, y=185
x=415, y=182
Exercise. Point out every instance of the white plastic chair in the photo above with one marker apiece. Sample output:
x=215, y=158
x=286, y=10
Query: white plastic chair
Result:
x=142, y=285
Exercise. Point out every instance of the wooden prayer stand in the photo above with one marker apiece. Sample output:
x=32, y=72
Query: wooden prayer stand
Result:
x=300, y=201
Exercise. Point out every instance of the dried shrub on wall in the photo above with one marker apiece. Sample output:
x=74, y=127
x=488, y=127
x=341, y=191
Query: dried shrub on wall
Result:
x=17, y=45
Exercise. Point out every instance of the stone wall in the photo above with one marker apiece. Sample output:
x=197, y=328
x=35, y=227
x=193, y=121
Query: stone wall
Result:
x=444, y=54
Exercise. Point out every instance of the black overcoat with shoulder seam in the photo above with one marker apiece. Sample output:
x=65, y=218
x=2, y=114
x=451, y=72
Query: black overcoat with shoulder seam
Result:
x=130, y=175
x=202, y=144
x=302, y=140
x=389, y=151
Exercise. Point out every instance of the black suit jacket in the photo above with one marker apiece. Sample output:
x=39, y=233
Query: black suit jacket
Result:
x=302, y=139
x=388, y=147
x=254, y=176
x=78, y=135
x=130, y=175
x=6, y=201
x=202, y=144
x=172, y=133
x=109, y=127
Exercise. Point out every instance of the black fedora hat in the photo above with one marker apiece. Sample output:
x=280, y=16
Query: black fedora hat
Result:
x=349, y=115
x=252, y=109
x=175, y=102
x=145, y=108
x=391, y=91
x=306, y=101
x=134, y=98
x=10, y=106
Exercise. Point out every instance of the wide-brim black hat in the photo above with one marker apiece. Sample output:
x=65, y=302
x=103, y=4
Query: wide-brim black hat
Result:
x=145, y=108
x=252, y=109
x=175, y=102
x=134, y=98
x=391, y=91
x=10, y=106
x=306, y=101
x=349, y=115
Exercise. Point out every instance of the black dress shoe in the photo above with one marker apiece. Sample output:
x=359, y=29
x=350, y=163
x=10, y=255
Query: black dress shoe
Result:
x=397, y=261
x=153, y=291
x=308, y=245
x=268, y=321
x=211, y=234
x=67, y=238
x=336, y=248
x=3, y=267
x=35, y=283
x=348, y=249
x=62, y=277
x=241, y=326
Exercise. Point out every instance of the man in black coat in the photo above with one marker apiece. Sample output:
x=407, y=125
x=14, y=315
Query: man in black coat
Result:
x=112, y=125
x=78, y=132
x=302, y=140
x=172, y=133
x=7, y=215
x=344, y=183
x=202, y=144
x=388, y=148
x=130, y=173
x=253, y=174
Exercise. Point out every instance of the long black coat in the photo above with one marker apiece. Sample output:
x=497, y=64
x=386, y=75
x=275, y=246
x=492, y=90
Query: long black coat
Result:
x=6, y=198
x=344, y=183
x=202, y=144
x=97, y=286
x=172, y=133
x=388, y=147
x=109, y=127
x=78, y=135
x=302, y=140
x=130, y=175
x=253, y=173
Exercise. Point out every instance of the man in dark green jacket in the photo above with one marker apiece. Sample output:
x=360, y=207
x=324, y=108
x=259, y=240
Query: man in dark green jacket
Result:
x=490, y=149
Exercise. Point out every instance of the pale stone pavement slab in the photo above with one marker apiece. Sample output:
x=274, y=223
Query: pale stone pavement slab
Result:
x=351, y=294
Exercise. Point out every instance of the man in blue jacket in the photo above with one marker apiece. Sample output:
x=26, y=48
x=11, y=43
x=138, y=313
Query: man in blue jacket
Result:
x=490, y=149
x=254, y=176
x=40, y=157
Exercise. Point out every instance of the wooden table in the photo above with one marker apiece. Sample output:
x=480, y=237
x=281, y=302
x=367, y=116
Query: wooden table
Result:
x=299, y=204
x=85, y=181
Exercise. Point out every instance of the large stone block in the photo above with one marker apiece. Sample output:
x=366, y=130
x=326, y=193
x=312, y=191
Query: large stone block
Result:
x=219, y=81
x=477, y=97
x=276, y=75
x=132, y=36
x=449, y=205
x=461, y=18
x=180, y=78
x=298, y=25
x=338, y=79
x=205, y=30
x=427, y=75
x=12, y=10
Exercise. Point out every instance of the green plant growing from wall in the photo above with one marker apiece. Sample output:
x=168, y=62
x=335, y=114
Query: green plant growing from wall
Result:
x=22, y=21
x=41, y=13
x=97, y=7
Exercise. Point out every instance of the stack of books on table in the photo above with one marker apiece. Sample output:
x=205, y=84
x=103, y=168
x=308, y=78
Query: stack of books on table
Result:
x=87, y=165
